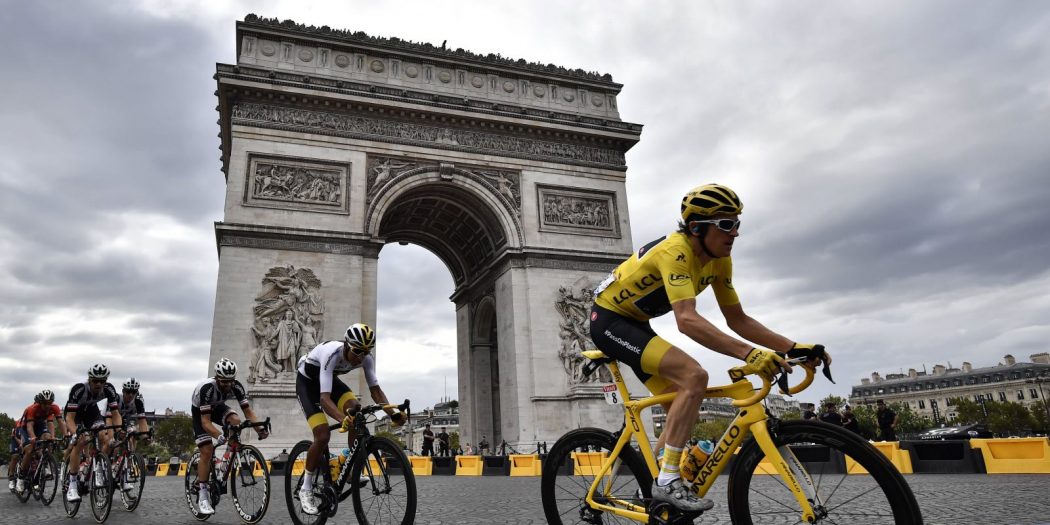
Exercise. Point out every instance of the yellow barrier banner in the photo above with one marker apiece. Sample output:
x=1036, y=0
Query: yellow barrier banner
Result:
x=587, y=463
x=1014, y=455
x=258, y=470
x=299, y=467
x=469, y=465
x=421, y=465
x=162, y=469
x=525, y=465
x=900, y=458
x=182, y=469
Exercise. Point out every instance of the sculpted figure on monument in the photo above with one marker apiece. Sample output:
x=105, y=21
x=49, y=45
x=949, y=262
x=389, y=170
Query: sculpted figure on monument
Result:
x=289, y=313
x=296, y=183
x=574, y=331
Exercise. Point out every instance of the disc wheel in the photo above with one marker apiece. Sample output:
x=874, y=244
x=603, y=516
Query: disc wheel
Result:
x=567, y=477
x=250, y=484
x=384, y=493
x=824, y=451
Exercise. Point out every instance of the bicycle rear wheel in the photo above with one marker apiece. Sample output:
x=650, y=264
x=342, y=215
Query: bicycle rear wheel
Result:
x=71, y=506
x=388, y=495
x=100, y=483
x=566, y=478
x=46, y=479
x=250, y=484
x=193, y=489
x=294, y=470
x=132, y=469
x=879, y=496
x=27, y=484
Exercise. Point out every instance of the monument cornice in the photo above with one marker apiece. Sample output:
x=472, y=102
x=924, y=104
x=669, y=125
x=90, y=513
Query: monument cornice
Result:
x=318, y=85
x=294, y=239
x=550, y=258
x=291, y=30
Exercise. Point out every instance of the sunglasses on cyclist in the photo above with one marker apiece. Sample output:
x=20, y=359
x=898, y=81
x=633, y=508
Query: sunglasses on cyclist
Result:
x=726, y=225
x=97, y=381
x=224, y=382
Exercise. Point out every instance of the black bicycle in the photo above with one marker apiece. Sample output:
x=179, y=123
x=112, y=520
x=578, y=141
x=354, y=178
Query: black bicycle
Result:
x=384, y=487
x=94, y=476
x=242, y=468
x=129, y=469
x=40, y=480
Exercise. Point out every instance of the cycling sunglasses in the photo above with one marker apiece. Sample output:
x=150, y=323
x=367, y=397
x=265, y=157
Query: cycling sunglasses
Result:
x=726, y=225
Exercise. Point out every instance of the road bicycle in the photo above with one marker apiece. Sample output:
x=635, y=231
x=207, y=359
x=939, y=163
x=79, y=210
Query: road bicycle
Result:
x=94, y=476
x=130, y=468
x=384, y=487
x=41, y=479
x=242, y=469
x=802, y=457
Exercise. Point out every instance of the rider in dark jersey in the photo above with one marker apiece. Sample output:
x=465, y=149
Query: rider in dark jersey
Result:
x=210, y=413
x=665, y=276
x=82, y=409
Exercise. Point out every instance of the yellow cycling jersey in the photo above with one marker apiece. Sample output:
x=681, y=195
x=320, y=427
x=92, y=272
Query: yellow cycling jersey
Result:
x=662, y=273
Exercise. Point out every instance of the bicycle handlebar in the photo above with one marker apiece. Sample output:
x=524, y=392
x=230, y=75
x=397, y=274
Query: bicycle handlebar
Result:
x=371, y=409
x=767, y=384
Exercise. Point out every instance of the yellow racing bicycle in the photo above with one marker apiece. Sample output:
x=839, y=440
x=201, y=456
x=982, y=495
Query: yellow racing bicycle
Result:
x=802, y=477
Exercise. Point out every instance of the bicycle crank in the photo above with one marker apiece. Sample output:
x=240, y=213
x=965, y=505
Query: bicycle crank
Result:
x=665, y=514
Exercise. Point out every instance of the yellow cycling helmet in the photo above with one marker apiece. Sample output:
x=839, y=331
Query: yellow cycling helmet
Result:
x=710, y=199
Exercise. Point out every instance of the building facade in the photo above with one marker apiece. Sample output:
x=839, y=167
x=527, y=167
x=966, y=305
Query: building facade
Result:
x=932, y=394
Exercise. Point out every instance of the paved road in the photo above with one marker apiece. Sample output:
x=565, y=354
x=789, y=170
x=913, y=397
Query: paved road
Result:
x=945, y=499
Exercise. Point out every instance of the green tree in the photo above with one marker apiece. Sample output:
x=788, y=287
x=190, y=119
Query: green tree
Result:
x=967, y=412
x=866, y=420
x=175, y=435
x=790, y=414
x=838, y=401
x=908, y=421
x=453, y=441
x=392, y=437
x=6, y=424
x=1003, y=417
x=1040, y=419
x=710, y=430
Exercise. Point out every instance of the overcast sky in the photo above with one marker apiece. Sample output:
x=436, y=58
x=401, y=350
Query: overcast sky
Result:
x=893, y=158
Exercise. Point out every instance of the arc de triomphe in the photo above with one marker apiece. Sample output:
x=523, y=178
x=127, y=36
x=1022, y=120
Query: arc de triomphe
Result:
x=335, y=143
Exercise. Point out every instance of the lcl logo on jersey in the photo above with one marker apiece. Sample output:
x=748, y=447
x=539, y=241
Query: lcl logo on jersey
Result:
x=678, y=279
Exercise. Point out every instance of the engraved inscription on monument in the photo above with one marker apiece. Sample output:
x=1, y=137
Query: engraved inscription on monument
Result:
x=289, y=318
x=291, y=183
x=567, y=210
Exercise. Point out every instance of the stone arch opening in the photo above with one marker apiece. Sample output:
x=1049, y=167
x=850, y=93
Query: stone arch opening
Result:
x=468, y=230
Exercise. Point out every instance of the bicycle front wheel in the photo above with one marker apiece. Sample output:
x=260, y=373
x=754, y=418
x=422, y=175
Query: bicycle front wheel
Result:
x=250, y=484
x=384, y=492
x=571, y=468
x=46, y=479
x=879, y=496
x=27, y=484
x=132, y=471
x=100, y=483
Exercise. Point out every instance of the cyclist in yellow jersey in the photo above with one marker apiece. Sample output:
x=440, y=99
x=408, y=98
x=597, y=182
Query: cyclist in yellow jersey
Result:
x=666, y=275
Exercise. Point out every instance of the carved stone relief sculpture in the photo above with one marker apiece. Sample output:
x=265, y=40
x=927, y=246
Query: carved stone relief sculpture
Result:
x=574, y=305
x=288, y=320
x=278, y=182
x=567, y=210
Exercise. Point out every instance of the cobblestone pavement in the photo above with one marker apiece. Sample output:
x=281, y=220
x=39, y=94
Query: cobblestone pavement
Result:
x=945, y=499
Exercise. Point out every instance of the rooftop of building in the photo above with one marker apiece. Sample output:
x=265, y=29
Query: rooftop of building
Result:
x=1006, y=369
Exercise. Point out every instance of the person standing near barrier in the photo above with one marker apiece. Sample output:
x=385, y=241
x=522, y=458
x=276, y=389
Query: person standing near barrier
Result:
x=807, y=412
x=831, y=415
x=849, y=420
x=443, y=441
x=483, y=446
x=428, y=441
x=887, y=421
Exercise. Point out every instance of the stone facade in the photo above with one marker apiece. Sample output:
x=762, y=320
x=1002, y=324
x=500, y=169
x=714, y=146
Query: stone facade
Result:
x=931, y=394
x=335, y=144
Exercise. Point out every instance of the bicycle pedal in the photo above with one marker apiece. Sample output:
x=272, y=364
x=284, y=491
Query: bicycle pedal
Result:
x=665, y=514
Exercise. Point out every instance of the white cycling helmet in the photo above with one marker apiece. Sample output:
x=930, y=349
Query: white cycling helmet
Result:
x=98, y=371
x=225, y=369
x=131, y=385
